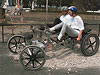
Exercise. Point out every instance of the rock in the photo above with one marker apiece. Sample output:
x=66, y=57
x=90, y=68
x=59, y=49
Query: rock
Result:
x=69, y=69
x=75, y=71
x=16, y=57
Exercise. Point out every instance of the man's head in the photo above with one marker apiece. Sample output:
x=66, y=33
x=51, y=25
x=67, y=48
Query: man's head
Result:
x=72, y=11
x=64, y=10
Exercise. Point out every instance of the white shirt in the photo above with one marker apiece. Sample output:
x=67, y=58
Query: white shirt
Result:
x=65, y=19
x=62, y=17
x=77, y=23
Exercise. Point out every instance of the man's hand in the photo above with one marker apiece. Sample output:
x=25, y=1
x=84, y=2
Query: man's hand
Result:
x=78, y=39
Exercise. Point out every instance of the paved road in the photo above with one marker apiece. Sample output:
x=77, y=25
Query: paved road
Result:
x=8, y=66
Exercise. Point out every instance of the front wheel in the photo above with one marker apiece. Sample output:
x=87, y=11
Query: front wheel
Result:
x=16, y=43
x=32, y=58
x=90, y=45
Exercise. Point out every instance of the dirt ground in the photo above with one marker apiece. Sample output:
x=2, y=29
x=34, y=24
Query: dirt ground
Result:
x=60, y=62
x=65, y=61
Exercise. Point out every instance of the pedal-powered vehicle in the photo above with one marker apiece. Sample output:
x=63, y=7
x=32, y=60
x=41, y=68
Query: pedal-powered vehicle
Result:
x=33, y=55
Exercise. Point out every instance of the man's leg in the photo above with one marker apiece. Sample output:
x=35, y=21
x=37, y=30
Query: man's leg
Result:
x=50, y=25
x=58, y=26
x=72, y=32
x=69, y=30
x=56, y=21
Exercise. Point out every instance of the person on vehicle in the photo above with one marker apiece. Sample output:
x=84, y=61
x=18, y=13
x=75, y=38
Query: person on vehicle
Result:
x=73, y=26
x=65, y=16
x=59, y=20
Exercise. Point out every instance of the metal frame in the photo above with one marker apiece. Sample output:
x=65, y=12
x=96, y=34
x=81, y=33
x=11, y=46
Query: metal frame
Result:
x=5, y=24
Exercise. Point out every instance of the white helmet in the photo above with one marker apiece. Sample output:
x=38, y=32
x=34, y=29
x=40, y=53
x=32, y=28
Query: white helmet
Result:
x=64, y=8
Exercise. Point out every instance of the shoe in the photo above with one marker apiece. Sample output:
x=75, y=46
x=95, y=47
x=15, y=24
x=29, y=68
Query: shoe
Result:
x=55, y=39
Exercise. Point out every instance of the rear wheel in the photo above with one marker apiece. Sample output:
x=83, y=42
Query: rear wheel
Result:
x=90, y=45
x=32, y=58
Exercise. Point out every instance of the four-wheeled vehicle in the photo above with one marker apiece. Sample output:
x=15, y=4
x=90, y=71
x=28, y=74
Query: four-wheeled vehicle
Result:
x=32, y=47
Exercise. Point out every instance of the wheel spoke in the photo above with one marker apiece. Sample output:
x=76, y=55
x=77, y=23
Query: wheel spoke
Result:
x=33, y=64
x=89, y=41
x=88, y=47
x=19, y=40
x=37, y=61
x=28, y=63
x=90, y=44
x=92, y=48
x=21, y=44
x=13, y=46
x=31, y=50
x=25, y=58
x=12, y=43
x=93, y=42
x=15, y=40
x=15, y=50
x=16, y=45
x=27, y=53
x=37, y=52
x=40, y=57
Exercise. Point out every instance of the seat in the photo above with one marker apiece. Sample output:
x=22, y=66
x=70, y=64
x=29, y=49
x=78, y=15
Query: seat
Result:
x=86, y=30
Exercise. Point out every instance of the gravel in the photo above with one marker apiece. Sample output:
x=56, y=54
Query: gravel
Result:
x=67, y=58
x=64, y=60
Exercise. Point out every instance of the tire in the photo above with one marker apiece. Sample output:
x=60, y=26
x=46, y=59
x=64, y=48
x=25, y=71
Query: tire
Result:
x=90, y=45
x=32, y=58
x=16, y=43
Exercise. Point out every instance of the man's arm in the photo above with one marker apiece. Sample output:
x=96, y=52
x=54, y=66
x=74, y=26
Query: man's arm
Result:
x=79, y=36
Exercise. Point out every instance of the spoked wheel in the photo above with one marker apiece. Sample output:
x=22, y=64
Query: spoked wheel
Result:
x=90, y=45
x=16, y=43
x=32, y=58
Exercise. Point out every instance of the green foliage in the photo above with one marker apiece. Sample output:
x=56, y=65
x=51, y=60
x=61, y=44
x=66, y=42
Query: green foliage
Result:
x=79, y=4
x=91, y=4
x=66, y=2
x=82, y=5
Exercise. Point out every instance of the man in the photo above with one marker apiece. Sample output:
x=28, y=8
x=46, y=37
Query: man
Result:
x=64, y=13
x=57, y=20
x=73, y=25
